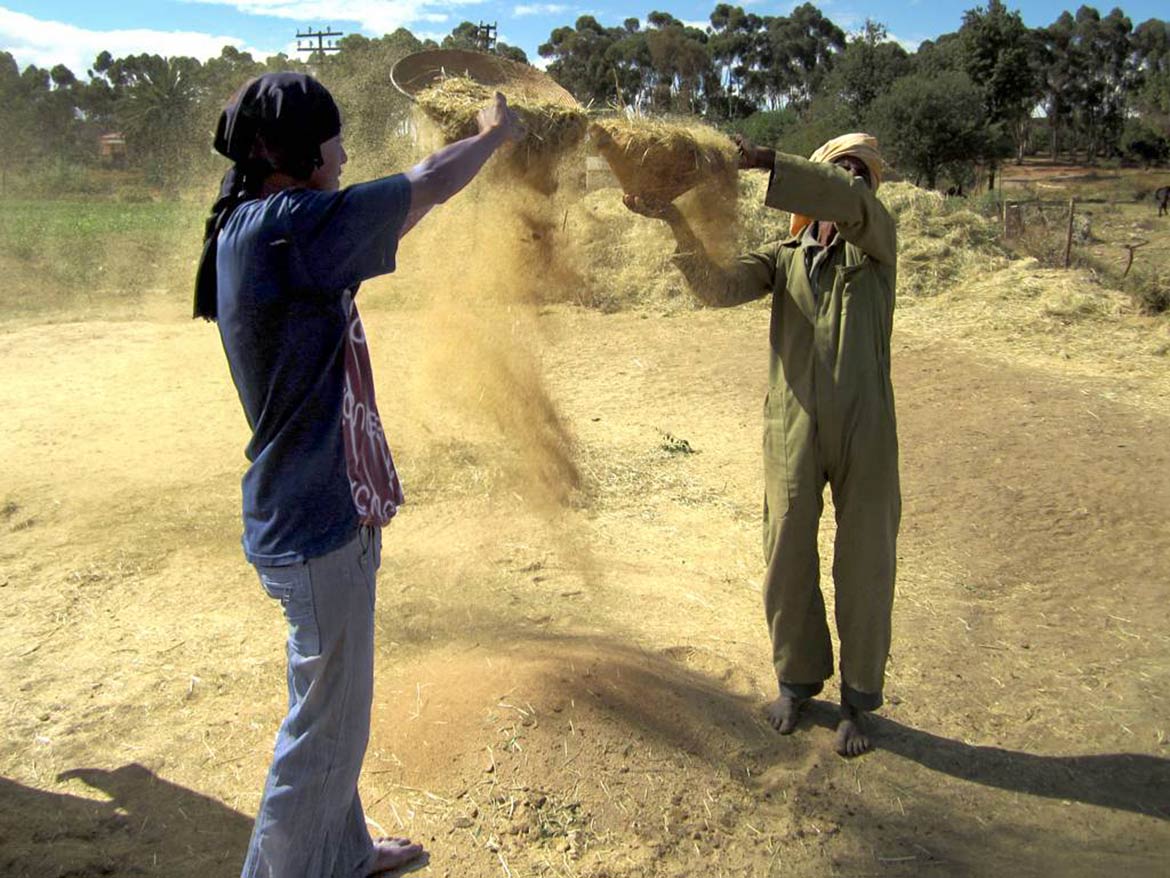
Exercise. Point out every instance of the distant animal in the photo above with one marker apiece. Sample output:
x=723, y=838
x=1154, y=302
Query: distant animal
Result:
x=955, y=191
x=1162, y=196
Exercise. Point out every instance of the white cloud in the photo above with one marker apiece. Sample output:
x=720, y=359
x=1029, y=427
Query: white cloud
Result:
x=847, y=20
x=539, y=9
x=910, y=45
x=374, y=17
x=48, y=43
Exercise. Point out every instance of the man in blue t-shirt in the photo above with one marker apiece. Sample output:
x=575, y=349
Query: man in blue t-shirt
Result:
x=284, y=252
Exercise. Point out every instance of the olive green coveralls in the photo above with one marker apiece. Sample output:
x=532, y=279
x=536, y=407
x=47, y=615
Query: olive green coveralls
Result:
x=828, y=417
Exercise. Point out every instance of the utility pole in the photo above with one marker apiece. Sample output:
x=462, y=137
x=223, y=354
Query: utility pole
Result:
x=319, y=41
x=485, y=37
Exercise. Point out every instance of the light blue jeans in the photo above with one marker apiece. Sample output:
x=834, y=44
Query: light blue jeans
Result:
x=310, y=823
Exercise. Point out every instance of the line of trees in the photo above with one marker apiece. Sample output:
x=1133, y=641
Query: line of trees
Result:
x=1086, y=86
x=167, y=108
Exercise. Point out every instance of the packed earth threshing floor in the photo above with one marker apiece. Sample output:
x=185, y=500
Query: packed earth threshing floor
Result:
x=574, y=688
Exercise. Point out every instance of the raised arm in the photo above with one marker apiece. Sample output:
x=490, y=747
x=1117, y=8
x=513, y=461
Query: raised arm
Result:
x=444, y=173
x=750, y=277
x=825, y=192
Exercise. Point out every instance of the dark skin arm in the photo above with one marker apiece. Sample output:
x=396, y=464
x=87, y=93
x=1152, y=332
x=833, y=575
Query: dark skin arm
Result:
x=760, y=158
x=750, y=277
x=752, y=157
x=669, y=214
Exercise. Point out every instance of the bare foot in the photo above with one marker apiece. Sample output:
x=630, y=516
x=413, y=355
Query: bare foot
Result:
x=784, y=713
x=391, y=853
x=852, y=733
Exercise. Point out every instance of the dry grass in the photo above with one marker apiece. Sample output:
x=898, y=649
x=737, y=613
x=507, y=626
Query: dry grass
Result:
x=625, y=259
x=938, y=243
x=955, y=280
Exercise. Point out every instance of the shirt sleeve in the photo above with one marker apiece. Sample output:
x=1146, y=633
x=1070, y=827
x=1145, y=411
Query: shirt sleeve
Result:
x=751, y=276
x=343, y=238
x=825, y=192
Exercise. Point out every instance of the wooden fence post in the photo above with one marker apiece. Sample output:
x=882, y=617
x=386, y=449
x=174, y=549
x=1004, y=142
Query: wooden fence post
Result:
x=1068, y=237
x=1013, y=219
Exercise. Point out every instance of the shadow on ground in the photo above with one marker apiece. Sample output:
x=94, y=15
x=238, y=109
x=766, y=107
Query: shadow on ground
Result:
x=146, y=826
x=688, y=700
x=1135, y=782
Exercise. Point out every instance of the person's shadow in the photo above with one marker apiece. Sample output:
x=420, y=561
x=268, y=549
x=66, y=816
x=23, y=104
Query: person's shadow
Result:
x=147, y=825
x=1135, y=782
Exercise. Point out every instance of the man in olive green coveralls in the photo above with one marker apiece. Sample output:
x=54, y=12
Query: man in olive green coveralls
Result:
x=829, y=416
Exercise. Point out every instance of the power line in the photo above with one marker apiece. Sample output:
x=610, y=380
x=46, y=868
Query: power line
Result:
x=485, y=37
x=324, y=40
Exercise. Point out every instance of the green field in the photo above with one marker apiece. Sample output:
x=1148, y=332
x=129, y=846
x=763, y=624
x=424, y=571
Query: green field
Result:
x=92, y=256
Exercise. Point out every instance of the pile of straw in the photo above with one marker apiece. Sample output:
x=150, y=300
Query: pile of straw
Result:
x=939, y=243
x=660, y=159
x=626, y=259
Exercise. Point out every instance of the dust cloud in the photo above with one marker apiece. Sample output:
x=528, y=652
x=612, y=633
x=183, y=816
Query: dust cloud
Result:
x=482, y=266
x=524, y=235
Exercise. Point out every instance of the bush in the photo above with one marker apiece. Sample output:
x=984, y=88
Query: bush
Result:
x=767, y=127
x=929, y=122
x=1144, y=143
x=1151, y=292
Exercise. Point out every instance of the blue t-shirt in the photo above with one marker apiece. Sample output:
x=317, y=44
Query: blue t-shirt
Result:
x=283, y=264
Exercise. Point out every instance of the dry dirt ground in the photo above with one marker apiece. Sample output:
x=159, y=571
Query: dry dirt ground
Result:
x=570, y=678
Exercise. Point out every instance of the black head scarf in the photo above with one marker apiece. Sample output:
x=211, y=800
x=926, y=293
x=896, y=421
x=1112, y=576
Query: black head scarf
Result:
x=292, y=115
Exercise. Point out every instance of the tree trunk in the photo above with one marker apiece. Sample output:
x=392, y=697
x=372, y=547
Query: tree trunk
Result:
x=1022, y=132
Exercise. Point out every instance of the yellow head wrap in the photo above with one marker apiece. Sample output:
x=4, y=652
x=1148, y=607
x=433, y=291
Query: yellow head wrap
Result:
x=860, y=146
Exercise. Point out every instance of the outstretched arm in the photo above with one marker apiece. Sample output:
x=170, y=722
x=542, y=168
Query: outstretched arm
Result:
x=824, y=192
x=827, y=192
x=749, y=277
x=444, y=173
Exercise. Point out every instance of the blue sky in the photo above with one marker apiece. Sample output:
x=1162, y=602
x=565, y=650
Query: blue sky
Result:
x=72, y=32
